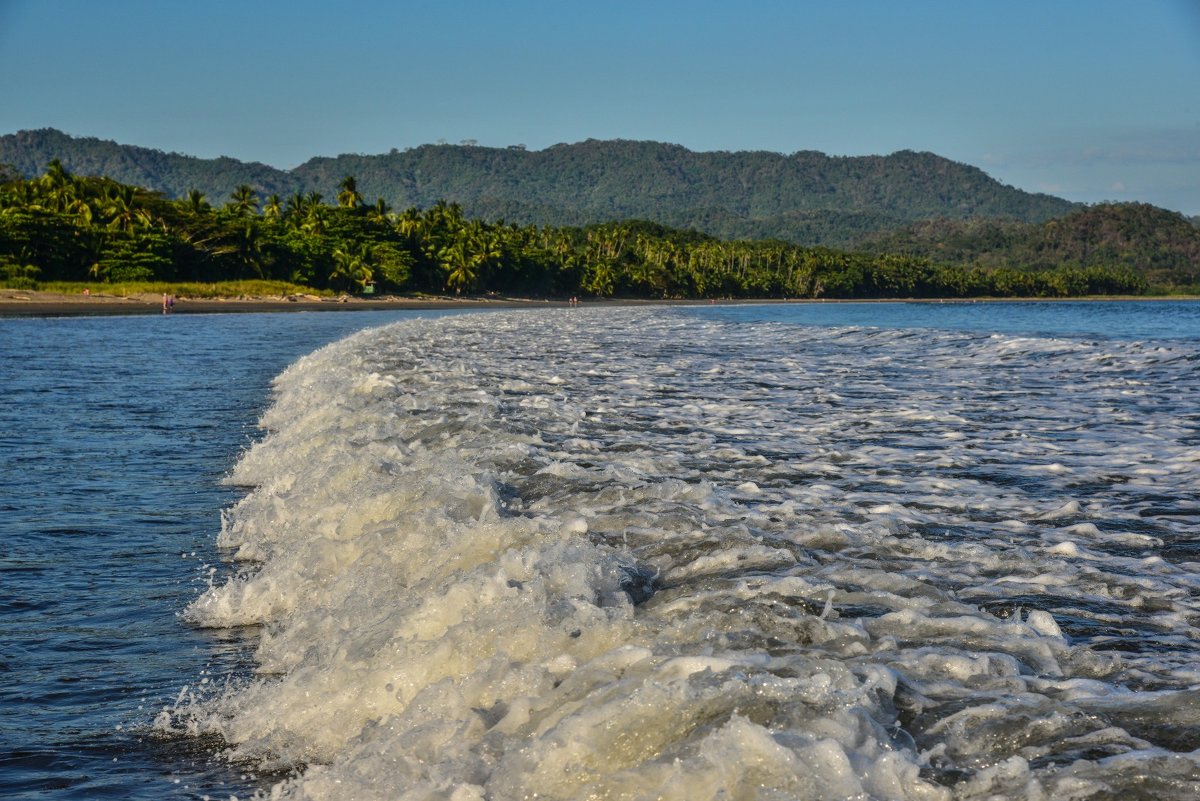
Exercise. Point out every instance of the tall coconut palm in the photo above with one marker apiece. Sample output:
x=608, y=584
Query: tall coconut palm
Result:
x=56, y=176
x=352, y=267
x=458, y=265
x=380, y=212
x=57, y=187
x=314, y=220
x=80, y=209
x=600, y=278
x=249, y=247
x=243, y=201
x=348, y=196
x=196, y=202
x=293, y=212
x=410, y=222
x=119, y=206
x=294, y=205
x=273, y=208
x=486, y=249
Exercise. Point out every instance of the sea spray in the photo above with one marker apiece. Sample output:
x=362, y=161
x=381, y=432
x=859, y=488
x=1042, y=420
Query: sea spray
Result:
x=637, y=554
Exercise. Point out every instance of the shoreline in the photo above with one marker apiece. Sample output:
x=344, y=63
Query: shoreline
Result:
x=31, y=303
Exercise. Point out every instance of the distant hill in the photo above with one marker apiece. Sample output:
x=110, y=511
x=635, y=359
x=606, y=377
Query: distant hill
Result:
x=171, y=173
x=807, y=197
x=1162, y=245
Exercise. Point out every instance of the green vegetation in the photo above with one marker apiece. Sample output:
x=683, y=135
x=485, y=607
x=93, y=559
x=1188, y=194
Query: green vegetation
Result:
x=806, y=198
x=63, y=228
x=1163, y=246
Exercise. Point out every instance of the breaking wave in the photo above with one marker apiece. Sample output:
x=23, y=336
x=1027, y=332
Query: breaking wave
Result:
x=642, y=553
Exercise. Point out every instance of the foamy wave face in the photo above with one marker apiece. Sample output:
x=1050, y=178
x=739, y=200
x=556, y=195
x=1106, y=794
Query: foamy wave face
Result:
x=640, y=554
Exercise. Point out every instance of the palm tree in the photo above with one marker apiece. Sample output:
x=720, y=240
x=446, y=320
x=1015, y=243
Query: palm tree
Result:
x=56, y=176
x=120, y=207
x=314, y=220
x=243, y=201
x=601, y=278
x=486, y=249
x=80, y=209
x=196, y=203
x=273, y=208
x=647, y=276
x=352, y=267
x=458, y=265
x=293, y=211
x=58, y=187
x=381, y=211
x=249, y=247
x=348, y=197
x=410, y=222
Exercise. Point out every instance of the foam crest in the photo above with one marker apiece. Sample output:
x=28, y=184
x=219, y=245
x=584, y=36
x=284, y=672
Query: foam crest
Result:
x=636, y=553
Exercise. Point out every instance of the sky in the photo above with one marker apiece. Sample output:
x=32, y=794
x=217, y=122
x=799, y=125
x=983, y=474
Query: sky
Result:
x=1090, y=100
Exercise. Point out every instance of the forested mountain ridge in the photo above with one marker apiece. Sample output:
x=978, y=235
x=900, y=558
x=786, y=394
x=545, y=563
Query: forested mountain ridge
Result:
x=1162, y=245
x=173, y=174
x=806, y=197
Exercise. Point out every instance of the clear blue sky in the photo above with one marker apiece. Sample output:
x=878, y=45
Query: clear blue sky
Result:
x=1087, y=99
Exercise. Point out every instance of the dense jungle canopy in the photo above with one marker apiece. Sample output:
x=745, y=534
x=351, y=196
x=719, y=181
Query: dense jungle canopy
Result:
x=64, y=227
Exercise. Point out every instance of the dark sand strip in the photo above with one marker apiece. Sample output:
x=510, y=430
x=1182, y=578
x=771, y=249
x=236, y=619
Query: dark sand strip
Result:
x=45, y=304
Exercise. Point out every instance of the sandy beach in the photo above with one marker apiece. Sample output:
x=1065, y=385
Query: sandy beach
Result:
x=27, y=303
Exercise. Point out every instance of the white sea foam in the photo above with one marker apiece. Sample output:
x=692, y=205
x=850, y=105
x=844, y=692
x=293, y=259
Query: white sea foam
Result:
x=644, y=554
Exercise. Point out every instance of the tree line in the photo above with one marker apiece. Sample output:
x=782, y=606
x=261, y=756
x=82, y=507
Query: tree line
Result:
x=62, y=227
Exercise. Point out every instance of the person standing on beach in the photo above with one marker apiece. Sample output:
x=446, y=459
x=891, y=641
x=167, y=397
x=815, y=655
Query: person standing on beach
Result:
x=164, y=303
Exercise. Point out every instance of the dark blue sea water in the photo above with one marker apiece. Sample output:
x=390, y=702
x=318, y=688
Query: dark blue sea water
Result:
x=115, y=434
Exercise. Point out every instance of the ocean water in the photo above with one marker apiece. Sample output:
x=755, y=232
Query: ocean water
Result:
x=895, y=551
x=115, y=434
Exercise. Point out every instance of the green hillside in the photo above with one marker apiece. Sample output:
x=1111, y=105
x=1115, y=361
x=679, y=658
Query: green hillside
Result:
x=170, y=173
x=1162, y=245
x=806, y=198
x=84, y=230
